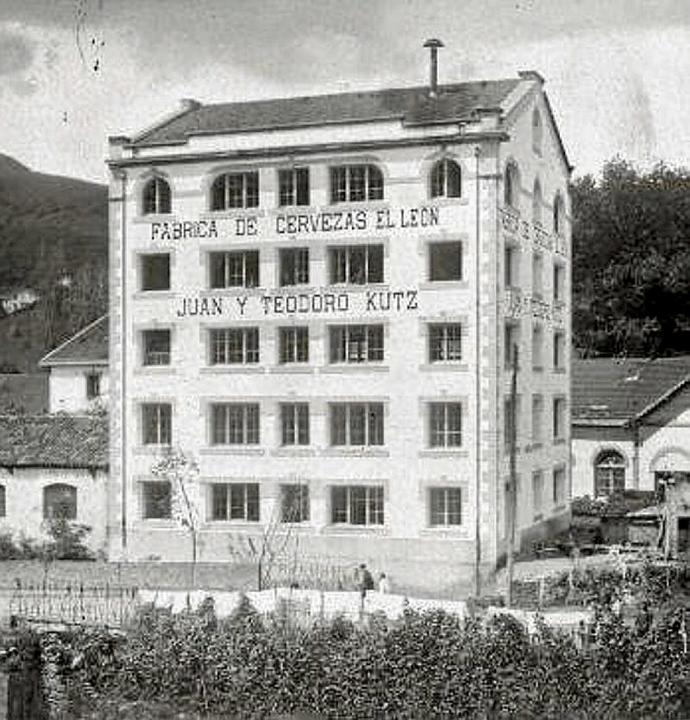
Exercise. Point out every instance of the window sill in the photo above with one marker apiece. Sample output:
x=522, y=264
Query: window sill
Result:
x=357, y=287
x=354, y=452
x=232, y=450
x=343, y=529
x=151, y=449
x=210, y=525
x=346, y=368
x=155, y=370
x=233, y=290
x=257, y=211
x=292, y=451
x=444, y=366
x=291, y=369
x=154, y=295
x=442, y=452
x=456, y=532
x=444, y=285
x=155, y=523
x=253, y=369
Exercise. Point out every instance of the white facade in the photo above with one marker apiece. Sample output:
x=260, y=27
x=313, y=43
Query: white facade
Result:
x=404, y=472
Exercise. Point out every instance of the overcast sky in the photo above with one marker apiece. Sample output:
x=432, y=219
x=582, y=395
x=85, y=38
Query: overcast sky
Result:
x=73, y=72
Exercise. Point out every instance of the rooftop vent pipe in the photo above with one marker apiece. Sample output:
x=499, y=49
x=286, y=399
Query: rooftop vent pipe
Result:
x=433, y=44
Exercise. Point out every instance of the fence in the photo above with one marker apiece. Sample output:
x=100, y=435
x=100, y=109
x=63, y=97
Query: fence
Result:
x=66, y=603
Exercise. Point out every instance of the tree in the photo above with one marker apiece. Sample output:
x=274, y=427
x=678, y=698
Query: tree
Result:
x=181, y=471
x=631, y=261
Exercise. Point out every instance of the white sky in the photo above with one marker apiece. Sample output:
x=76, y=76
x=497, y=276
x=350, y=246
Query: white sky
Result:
x=73, y=72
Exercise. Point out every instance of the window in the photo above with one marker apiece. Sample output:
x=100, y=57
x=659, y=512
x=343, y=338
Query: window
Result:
x=445, y=342
x=559, y=486
x=537, y=492
x=511, y=343
x=353, y=183
x=60, y=502
x=536, y=131
x=511, y=186
x=537, y=275
x=445, y=424
x=537, y=347
x=558, y=283
x=234, y=346
x=558, y=418
x=558, y=351
x=3, y=502
x=537, y=419
x=445, y=261
x=293, y=187
x=511, y=266
x=536, y=203
x=155, y=272
x=294, y=266
x=235, y=424
x=235, y=190
x=235, y=269
x=93, y=386
x=293, y=345
x=156, y=500
x=294, y=503
x=356, y=424
x=235, y=501
x=355, y=343
x=445, y=506
x=356, y=264
x=609, y=473
x=156, y=347
x=558, y=214
x=157, y=423
x=357, y=505
x=445, y=179
x=294, y=423
x=156, y=197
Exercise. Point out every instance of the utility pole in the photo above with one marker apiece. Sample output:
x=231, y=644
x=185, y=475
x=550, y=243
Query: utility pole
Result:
x=512, y=482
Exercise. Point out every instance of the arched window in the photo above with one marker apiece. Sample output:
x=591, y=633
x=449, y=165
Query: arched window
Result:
x=511, y=186
x=3, y=506
x=536, y=202
x=235, y=190
x=156, y=197
x=445, y=179
x=536, y=131
x=609, y=473
x=60, y=501
x=558, y=214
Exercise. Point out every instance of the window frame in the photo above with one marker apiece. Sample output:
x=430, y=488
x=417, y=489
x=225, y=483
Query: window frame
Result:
x=445, y=179
x=235, y=424
x=156, y=197
x=294, y=186
x=369, y=498
x=559, y=419
x=559, y=364
x=293, y=345
x=298, y=273
x=246, y=277
x=67, y=500
x=343, y=186
x=537, y=203
x=511, y=186
x=234, y=496
x=163, y=426
x=147, y=353
x=93, y=385
x=234, y=345
x=148, y=502
x=441, y=347
x=371, y=415
x=358, y=344
x=300, y=510
x=433, y=266
x=537, y=428
x=559, y=474
x=537, y=493
x=295, y=421
x=249, y=191
x=443, y=430
x=341, y=264
x=613, y=472
x=146, y=272
x=448, y=512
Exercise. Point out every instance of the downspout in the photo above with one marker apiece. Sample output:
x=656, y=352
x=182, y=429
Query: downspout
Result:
x=636, y=454
x=477, y=386
x=123, y=346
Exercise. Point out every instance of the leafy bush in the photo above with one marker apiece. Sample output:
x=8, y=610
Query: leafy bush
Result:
x=430, y=665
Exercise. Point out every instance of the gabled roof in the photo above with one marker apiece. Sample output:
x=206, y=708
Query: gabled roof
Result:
x=619, y=391
x=88, y=347
x=412, y=106
x=53, y=441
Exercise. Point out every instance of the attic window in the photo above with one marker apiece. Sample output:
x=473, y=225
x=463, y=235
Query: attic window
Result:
x=156, y=198
x=445, y=179
x=355, y=183
x=537, y=131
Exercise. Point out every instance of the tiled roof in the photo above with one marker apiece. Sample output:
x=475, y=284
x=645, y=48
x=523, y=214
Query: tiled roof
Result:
x=53, y=441
x=453, y=103
x=89, y=345
x=620, y=390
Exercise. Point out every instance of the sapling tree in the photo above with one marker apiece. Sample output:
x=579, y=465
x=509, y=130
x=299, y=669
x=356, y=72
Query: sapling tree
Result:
x=181, y=471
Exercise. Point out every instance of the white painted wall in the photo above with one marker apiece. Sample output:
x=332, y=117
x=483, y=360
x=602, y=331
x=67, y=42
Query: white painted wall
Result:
x=67, y=388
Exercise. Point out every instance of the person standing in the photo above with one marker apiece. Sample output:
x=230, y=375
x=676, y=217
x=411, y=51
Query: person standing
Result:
x=384, y=584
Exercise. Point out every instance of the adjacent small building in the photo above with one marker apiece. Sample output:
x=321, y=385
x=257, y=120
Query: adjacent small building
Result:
x=53, y=465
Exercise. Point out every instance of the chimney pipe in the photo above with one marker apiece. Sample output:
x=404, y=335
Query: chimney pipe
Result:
x=433, y=44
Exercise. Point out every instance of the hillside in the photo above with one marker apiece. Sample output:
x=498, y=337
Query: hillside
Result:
x=51, y=227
